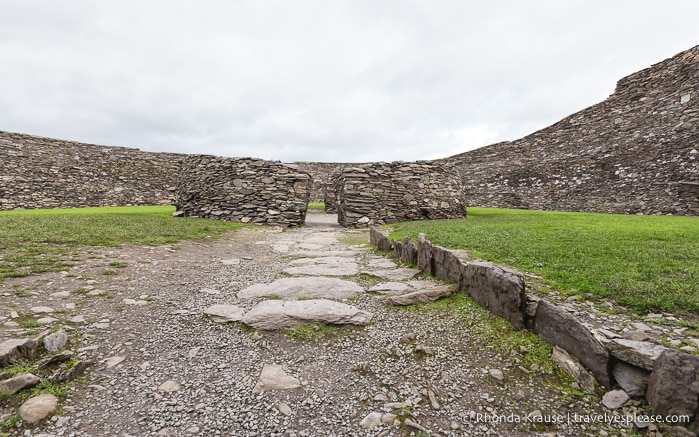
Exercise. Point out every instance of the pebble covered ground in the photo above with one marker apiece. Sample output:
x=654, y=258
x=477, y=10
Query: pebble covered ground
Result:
x=162, y=368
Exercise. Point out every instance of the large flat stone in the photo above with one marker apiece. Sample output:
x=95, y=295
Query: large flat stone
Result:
x=399, y=274
x=391, y=288
x=425, y=292
x=276, y=314
x=639, y=353
x=673, y=388
x=496, y=288
x=316, y=287
x=561, y=329
x=323, y=266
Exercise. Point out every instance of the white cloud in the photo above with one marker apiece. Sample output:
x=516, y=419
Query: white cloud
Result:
x=329, y=80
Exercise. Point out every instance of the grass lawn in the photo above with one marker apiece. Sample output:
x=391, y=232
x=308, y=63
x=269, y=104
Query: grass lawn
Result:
x=647, y=263
x=35, y=241
x=319, y=206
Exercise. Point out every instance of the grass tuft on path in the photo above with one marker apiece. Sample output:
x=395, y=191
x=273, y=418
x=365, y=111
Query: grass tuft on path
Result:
x=36, y=241
x=647, y=263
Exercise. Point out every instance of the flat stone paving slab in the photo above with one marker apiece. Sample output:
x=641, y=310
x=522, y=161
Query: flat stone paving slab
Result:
x=400, y=274
x=277, y=314
x=316, y=287
x=326, y=266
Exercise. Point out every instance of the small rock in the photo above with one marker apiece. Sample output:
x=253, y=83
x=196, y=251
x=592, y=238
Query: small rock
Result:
x=56, y=340
x=113, y=361
x=497, y=374
x=615, y=399
x=222, y=313
x=41, y=310
x=38, y=408
x=20, y=382
x=371, y=420
x=284, y=409
x=169, y=386
x=389, y=418
x=273, y=377
x=193, y=352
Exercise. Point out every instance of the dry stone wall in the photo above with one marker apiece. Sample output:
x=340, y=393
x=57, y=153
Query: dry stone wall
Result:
x=243, y=190
x=37, y=172
x=636, y=152
x=398, y=191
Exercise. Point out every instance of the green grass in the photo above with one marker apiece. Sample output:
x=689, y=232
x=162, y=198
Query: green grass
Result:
x=36, y=241
x=646, y=263
x=319, y=206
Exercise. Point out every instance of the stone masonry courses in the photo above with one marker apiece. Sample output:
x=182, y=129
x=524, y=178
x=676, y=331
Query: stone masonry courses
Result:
x=242, y=189
x=636, y=152
x=398, y=191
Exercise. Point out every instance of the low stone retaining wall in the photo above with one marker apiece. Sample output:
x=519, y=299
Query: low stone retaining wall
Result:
x=398, y=191
x=243, y=190
x=667, y=378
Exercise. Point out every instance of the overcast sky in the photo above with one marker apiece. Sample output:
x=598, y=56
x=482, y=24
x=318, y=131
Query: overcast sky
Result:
x=326, y=80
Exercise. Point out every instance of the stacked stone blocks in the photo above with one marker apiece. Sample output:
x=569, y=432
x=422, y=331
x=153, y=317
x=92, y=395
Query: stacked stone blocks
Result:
x=242, y=190
x=398, y=191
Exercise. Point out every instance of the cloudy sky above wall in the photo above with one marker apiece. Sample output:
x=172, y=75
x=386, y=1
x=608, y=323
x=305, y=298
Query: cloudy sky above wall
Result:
x=324, y=80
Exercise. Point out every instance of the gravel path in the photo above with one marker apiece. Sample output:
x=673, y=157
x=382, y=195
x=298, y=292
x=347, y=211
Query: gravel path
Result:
x=164, y=369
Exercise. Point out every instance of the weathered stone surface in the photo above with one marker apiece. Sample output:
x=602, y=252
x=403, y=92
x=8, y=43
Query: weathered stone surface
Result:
x=604, y=157
x=64, y=375
x=55, y=341
x=615, y=399
x=378, y=193
x=639, y=353
x=38, y=408
x=424, y=254
x=273, y=377
x=325, y=266
x=316, y=287
x=379, y=240
x=101, y=176
x=242, y=190
x=673, y=388
x=498, y=289
x=399, y=274
x=223, y=313
x=391, y=288
x=169, y=386
x=276, y=314
x=425, y=293
x=561, y=329
x=574, y=369
x=19, y=382
x=371, y=420
x=634, y=380
x=11, y=349
x=447, y=264
x=408, y=252
x=397, y=248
